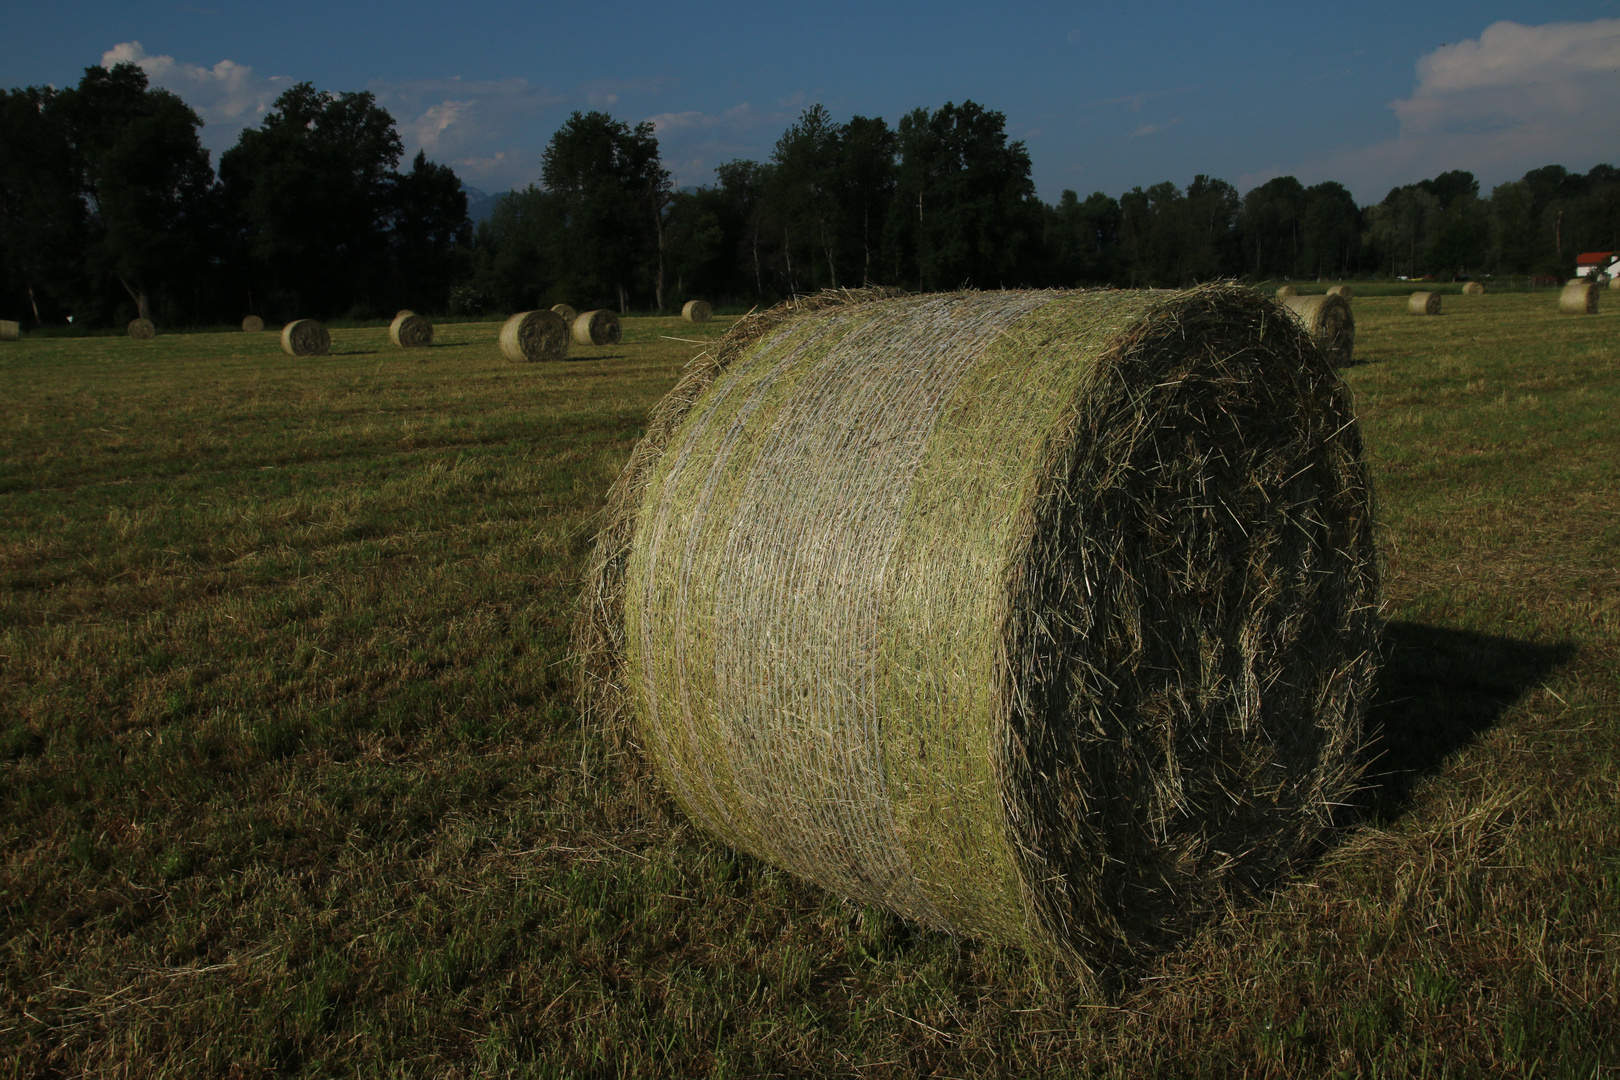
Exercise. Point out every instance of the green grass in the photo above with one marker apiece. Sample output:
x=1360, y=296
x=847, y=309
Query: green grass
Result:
x=293, y=785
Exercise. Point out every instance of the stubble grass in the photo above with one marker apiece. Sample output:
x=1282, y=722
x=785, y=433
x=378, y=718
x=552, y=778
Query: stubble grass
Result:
x=293, y=783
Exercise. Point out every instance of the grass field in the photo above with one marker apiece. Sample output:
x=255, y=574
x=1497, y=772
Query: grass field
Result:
x=293, y=784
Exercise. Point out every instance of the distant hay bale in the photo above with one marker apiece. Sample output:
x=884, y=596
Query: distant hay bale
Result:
x=410, y=331
x=10, y=331
x=1286, y=291
x=534, y=336
x=142, y=329
x=695, y=311
x=253, y=324
x=1330, y=323
x=1049, y=618
x=1473, y=288
x=1423, y=303
x=305, y=337
x=1580, y=297
x=1342, y=290
x=1614, y=283
x=599, y=327
x=568, y=314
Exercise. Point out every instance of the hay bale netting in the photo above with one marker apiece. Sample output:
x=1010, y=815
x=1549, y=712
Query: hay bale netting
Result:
x=1342, y=290
x=599, y=327
x=253, y=324
x=1580, y=297
x=10, y=331
x=410, y=331
x=305, y=337
x=535, y=335
x=567, y=313
x=1286, y=291
x=1423, y=303
x=696, y=311
x=1330, y=323
x=142, y=329
x=1044, y=617
x=1473, y=288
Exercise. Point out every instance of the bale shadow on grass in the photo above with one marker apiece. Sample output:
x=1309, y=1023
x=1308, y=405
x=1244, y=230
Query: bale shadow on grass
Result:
x=1439, y=690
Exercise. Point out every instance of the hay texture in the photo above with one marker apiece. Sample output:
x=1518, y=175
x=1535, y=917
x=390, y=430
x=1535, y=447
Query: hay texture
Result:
x=1342, y=290
x=10, y=331
x=599, y=327
x=1473, y=288
x=1042, y=617
x=1580, y=297
x=1286, y=291
x=1329, y=321
x=534, y=335
x=1423, y=303
x=1614, y=283
x=252, y=324
x=695, y=311
x=305, y=337
x=567, y=313
x=410, y=331
x=142, y=329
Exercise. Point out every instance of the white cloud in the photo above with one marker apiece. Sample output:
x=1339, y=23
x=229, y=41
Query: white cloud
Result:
x=692, y=143
x=227, y=96
x=1514, y=98
x=1153, y=129
x=485, y=129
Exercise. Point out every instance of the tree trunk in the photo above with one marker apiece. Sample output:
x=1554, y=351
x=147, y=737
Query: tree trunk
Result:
x=624, y=303
x=759, y=282
x=33, y=303
x=138, y=294
x=658, y=220
x=787, y=253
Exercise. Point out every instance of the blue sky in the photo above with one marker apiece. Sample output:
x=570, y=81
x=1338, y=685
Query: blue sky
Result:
x=1106, y=96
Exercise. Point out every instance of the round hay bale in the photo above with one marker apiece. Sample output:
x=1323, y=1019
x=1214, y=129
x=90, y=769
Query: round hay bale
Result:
x=568, y=314
x=1579, y=297
x=1473, y=288
x=1423, y=303
x=142, y=329
x=305, y=337
x=410, y=331
x=252, y=324
x=402, y=312
x=1342, y=290
x=1614, y=283
x=10, y=331
x=1044, y=617
x=535, y=335
x=696, y=311
x=1286, y=291
x=1330, y=323
x=599, y=327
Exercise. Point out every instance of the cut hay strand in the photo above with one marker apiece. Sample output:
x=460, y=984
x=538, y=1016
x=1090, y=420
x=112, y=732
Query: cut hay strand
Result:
x=305, y=337
x=1043, y=617
x=1286, y=291
x=1330, y=323
x=1423, y=303
x=1579, y=297
x=599, y=327
x=1342, y=290
x=410, y=331
x=531, y=336
x=1473, y=288
x=142, y=329
x=253, y=325
x=696, y=311
x=567, y=313
x=10, y=331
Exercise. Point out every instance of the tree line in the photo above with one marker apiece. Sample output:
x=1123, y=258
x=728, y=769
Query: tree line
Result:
x=109, y=207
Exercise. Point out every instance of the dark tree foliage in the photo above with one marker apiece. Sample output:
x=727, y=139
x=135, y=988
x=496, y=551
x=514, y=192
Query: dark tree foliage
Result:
x=43, y=233
x=517, y=257
x=429, y=234
x=1082, y=240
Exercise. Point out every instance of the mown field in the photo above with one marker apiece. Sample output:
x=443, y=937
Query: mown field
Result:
x=293, y=784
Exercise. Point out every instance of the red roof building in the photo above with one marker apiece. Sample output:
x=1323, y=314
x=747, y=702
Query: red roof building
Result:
x=1588, y=263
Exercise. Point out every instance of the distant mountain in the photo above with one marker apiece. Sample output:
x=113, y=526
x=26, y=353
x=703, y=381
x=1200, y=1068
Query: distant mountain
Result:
x=480, y=204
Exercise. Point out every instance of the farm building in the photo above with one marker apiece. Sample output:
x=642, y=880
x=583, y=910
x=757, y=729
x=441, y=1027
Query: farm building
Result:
x=1596, y=264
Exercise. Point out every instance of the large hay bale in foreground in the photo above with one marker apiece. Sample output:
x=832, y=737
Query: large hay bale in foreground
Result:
x=1286, y=291
x=1044, y=617
x=534, y=336
x=1423, y=303
x=599, y=327
x=567, y=313
x=305, y=337
x=1473, y=288
x=10, y=331
x=410, y=331
x=1580, y=297
x=1330, y=323
x=1342, y=290
x=696, y=311
x=141, y=329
